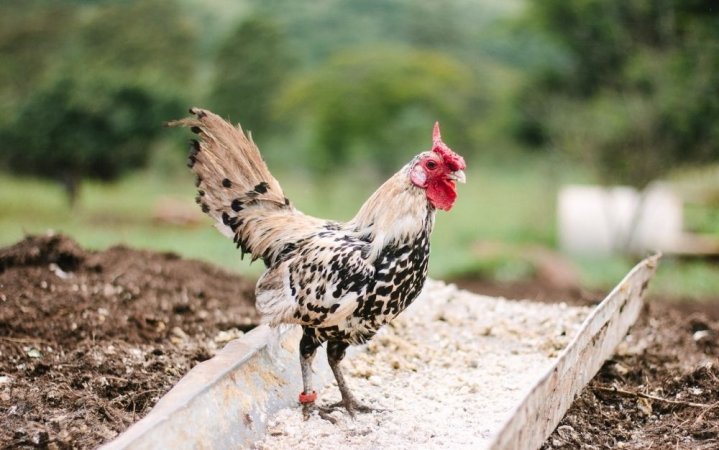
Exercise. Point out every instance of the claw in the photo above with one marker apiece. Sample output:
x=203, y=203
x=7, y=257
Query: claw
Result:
x=326, y=416
x=322, y=411
x=352, y=406
x=360, y=408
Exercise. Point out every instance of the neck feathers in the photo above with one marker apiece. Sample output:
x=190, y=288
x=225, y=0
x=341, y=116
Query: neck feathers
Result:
x=397, y=212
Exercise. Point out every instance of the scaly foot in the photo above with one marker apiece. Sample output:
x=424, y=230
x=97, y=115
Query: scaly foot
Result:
x=353, y=406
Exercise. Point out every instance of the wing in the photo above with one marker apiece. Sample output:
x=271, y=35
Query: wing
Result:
x=320, y=282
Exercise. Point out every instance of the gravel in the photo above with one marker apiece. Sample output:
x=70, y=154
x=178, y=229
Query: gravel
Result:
x=445, y=374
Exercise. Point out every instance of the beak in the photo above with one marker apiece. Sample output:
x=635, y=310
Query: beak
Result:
x=458, y=176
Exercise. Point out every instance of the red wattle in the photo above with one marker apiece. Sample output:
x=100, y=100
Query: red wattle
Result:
x=441, y=193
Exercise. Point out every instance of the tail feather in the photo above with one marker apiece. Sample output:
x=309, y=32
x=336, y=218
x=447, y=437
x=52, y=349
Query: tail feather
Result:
x=235, y=187
x=226, y=155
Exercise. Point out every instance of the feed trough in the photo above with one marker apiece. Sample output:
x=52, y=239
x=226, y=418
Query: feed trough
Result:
x=455, y=370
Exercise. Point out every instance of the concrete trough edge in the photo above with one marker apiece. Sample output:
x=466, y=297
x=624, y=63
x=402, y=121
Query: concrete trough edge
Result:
x=225, y=402
x=539, y=412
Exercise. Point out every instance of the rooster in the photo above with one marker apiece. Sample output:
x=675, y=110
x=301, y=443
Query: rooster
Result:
x=340, y=281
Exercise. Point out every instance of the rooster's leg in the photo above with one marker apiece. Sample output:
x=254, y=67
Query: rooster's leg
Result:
x=308, y=347
x=335, y=353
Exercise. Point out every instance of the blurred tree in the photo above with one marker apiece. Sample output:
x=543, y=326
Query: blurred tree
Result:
x=251, y=66
x=383, y=100
x=147, y=40
x=89, y=84
x=136, y=40
x=320, y=29
x=72, y=129
x=32, y=33
x=640, y=95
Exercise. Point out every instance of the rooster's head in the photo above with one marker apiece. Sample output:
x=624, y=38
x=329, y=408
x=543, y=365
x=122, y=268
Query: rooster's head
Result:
x=437, y=171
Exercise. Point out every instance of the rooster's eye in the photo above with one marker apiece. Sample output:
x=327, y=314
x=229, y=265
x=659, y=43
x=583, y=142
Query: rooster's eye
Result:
x=431, y=165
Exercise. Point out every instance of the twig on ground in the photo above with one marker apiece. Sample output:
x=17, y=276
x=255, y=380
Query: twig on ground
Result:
x=612, y=390
x=132, y=395
x=23, y=340
x=700, y=417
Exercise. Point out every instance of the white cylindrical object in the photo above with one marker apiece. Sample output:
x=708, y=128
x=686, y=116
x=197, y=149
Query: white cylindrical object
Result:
x=597, y=221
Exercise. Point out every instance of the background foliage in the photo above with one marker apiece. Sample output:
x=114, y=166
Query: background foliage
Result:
x=339, y=93
x=643, y=73
x=627, y=88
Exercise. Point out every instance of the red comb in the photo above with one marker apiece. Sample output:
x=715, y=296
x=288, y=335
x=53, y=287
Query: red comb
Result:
x=436, y=136
x=450, y=158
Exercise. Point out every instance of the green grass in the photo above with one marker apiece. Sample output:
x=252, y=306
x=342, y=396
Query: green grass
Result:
x=683, y=280
x=500, y=203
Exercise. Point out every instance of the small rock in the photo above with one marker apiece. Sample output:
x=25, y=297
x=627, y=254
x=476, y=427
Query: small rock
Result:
x=178, y=336
x=54, y=268
x=568, y=433
x=619, y=369
x=178, y=332
x=32, y=352
x=702, y=336
x=227, y=336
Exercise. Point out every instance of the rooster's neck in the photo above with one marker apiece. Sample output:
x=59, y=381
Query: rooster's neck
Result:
x=396, y=213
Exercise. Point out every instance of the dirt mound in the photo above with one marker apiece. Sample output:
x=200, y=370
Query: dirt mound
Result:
x=42, y=250
x=89, y=341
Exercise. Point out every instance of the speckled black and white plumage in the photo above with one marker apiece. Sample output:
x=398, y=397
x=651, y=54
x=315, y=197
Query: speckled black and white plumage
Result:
x=342, y=295
x=340, y=281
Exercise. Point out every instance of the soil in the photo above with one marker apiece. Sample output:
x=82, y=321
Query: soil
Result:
x=659, y=390
x=89, y=341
